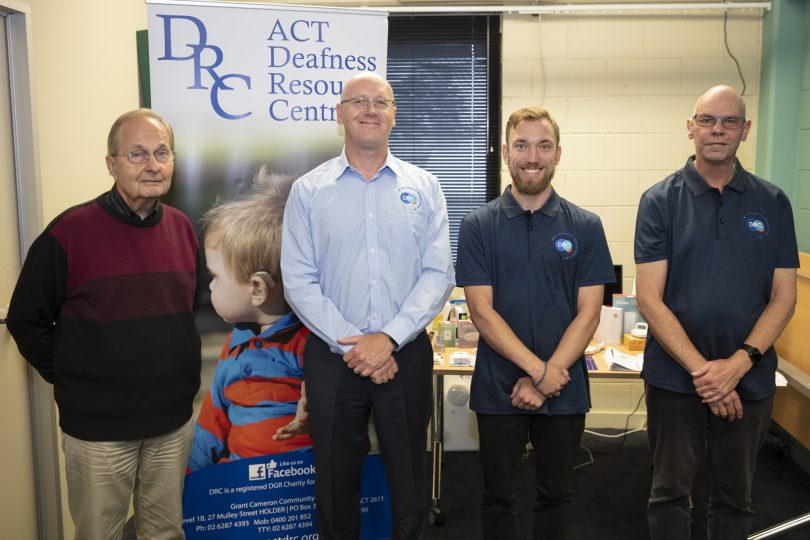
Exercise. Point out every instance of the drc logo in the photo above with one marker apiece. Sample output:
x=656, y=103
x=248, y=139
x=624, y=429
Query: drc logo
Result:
x=565, y=244
x=410, y=198
x=757, y=224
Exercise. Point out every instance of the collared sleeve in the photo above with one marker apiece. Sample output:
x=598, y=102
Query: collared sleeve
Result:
x=597, y=265
x=36, y=303
x=436, y=280
x=301, y=275
x=788, y=254
x=473, y=266
x=651, y=242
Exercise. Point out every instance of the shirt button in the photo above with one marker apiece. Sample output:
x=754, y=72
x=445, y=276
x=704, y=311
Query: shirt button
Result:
x=372, y=250
x=534, y=243
x=722, y=220
x=532, y=227
x=371, y=215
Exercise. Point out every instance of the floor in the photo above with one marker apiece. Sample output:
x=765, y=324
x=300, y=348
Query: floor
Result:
x=610, y=493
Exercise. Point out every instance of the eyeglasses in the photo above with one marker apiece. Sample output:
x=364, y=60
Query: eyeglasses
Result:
x=139, y=157
x=363, y=102
x=729, y=122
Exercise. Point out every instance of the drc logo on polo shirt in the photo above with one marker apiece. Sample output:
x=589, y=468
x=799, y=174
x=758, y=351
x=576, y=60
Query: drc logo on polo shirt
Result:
x=565, y=244
x=409, y=197
x=757, y=224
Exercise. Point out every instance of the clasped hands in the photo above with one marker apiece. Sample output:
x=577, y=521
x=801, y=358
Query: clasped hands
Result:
x=715, y=383
x=527, y=397
x=371, y=356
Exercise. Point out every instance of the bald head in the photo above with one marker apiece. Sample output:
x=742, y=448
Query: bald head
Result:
x=367, y=77
x=723, y=94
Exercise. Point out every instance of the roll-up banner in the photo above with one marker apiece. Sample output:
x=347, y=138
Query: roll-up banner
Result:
x=250, y=87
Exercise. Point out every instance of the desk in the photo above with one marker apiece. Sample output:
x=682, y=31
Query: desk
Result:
x=615, y=382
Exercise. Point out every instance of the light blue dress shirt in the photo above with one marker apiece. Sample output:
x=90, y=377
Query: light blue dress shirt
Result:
x=360, y=257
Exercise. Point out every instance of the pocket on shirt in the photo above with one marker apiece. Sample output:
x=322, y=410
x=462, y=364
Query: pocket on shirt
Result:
x=404, y=239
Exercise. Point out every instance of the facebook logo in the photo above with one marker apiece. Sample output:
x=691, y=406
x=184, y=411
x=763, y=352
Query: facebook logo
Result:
x=257, y=472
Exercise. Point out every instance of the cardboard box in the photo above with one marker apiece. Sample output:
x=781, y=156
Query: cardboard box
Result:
x=633, y=343
x=467, y=334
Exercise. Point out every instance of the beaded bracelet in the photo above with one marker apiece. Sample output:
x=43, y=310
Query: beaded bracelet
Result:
x=539, y=381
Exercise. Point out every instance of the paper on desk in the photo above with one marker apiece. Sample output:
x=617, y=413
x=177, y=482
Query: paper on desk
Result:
x=781, y=380
x=619, y=360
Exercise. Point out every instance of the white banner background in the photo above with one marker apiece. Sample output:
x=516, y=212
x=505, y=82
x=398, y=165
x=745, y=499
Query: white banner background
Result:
x=246, y=85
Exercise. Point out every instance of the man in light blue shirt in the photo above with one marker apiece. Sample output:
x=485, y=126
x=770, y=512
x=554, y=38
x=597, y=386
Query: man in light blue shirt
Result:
x=367, y=266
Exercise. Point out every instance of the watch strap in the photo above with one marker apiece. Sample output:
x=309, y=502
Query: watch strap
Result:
x=753, y=353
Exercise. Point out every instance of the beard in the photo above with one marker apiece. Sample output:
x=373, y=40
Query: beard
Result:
x=531, y=188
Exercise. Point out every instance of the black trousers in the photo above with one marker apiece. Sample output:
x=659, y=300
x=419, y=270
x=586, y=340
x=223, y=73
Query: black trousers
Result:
x=339, y=403
x=555, y=440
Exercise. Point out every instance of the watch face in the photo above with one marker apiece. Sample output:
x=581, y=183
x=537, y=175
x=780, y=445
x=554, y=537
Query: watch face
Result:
x=753, y=353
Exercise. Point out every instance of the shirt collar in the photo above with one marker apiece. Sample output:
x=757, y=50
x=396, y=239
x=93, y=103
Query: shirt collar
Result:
x=513, y=209
x=698, y=186
x=117, y=203
x=243, y=332
x=391, y=163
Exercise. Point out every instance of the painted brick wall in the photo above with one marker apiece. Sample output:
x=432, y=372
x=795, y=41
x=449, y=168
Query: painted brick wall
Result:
x=621, y=89
x=801, y=198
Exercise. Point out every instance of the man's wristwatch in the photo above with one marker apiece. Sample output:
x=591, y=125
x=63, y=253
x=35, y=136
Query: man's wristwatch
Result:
x=753, y=353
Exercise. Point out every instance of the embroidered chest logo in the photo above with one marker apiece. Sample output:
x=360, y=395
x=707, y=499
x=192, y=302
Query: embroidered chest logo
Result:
x=409, y=197
x=756, y=224
x=566, y=245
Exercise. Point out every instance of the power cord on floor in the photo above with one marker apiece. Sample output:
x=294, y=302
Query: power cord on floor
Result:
x=623, y=435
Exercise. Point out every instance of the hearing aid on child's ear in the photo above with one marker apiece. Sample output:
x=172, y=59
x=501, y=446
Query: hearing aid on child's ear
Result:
x=266, y=276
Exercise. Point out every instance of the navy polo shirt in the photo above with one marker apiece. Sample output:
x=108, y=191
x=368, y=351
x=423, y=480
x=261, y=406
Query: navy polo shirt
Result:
x=535, y=263
x=721, y=252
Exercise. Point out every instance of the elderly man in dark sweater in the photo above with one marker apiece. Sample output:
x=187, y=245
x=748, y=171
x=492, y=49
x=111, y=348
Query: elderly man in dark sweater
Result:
x=103, y=311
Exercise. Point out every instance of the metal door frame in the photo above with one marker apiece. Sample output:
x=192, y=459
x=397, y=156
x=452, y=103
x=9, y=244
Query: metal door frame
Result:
x=17, y=19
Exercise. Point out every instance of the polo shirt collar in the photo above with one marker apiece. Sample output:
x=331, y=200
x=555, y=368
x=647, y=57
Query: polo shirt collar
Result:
x=243, y=332
x=698, y=186
x=513, y=209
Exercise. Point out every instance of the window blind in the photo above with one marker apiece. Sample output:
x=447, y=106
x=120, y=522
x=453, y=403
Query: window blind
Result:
x=448, y=104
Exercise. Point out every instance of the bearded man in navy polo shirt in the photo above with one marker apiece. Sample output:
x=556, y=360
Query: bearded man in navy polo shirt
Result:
x=716, y=259
x=533, y=267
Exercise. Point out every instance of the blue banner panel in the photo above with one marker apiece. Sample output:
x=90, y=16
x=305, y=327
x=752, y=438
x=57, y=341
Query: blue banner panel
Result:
x=273, y=498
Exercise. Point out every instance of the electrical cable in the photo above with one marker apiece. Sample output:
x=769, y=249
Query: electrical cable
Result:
x=728, y=50
x=623, y=435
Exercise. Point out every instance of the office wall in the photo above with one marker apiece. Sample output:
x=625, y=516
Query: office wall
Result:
x=621, y=88
x=783, y=155
x=85, y=75
x=801, y=198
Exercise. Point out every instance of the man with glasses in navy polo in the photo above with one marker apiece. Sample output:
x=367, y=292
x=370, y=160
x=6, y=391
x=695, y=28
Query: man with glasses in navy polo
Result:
x=716, y=259
x=367, y=265
x=103, y=310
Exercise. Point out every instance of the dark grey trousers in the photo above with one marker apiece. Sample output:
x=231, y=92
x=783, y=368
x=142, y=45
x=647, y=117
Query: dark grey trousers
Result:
x=682, y=432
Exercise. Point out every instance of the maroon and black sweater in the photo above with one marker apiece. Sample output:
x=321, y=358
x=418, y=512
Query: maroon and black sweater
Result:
x=103, y=310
